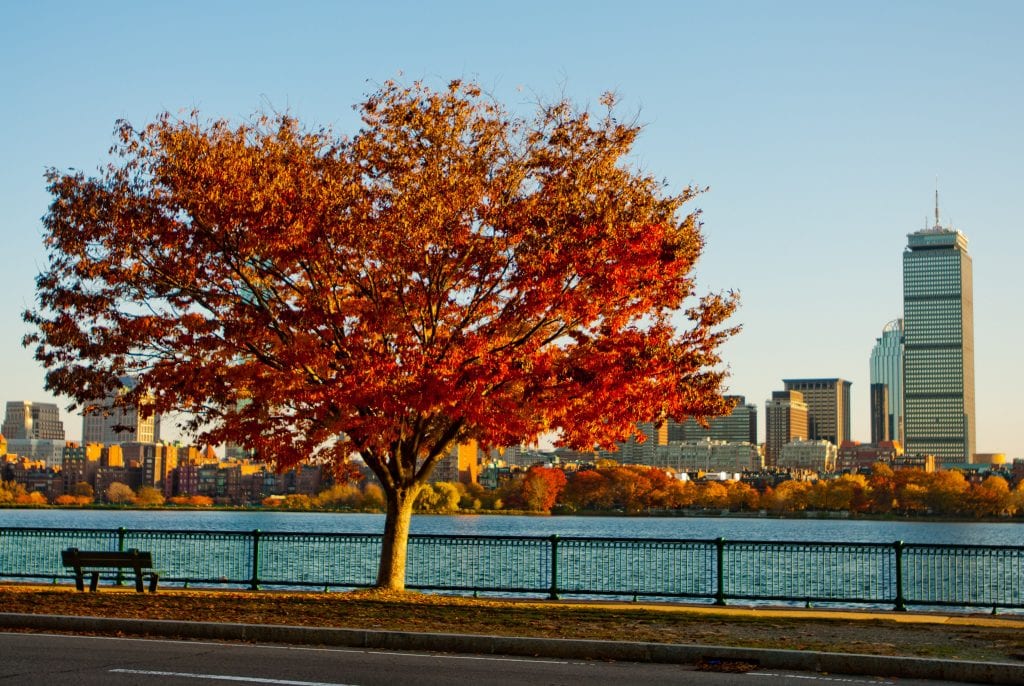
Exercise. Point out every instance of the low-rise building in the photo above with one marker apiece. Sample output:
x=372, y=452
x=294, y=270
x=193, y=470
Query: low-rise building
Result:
x=817, y=456
x=854, y=456
x=34, y=475
x=923, y=462
x=708, y=455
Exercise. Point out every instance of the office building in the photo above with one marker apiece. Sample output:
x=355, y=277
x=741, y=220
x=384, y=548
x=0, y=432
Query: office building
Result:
x=109, y=424
x=828, y=407
x=48, y=450
x=27, y=420
x=887, y=372
x=938, y=330
x=633, y=451
x=785, y=420
x=739, y=426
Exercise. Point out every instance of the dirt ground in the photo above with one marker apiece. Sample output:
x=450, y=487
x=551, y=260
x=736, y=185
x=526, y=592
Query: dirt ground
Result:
x=967, y=637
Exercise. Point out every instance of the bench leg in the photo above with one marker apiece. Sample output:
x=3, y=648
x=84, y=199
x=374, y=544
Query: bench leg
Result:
x=138, y=580
x=153, y=578
x=94, y=582
x=79, y=580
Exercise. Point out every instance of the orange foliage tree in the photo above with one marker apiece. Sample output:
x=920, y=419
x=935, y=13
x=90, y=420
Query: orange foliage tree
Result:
x=539, y=489
x=587, y=490
x=629, y=488
x=990, y=498
x=449, y=272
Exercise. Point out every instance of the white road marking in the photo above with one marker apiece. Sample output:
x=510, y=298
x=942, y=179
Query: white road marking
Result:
x=441, y=656
x=226, y=677
x=830, y=679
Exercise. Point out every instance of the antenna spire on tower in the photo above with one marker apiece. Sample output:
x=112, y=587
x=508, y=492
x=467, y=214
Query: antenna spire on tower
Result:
x=937, y=224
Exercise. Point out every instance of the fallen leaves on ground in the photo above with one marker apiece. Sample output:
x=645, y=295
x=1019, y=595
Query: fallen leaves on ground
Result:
x=372, y=609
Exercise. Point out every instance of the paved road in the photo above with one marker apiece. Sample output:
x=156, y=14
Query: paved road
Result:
x=27, y=659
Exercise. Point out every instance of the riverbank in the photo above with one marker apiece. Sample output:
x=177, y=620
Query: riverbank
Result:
x=596, y=514
x=925, y=635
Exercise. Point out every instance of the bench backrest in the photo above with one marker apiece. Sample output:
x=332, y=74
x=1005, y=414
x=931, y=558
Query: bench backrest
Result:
x=73, y=557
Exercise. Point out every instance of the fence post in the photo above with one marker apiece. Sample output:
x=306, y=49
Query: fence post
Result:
x=254, y=583
x=554, y=567
x=720, y=572
x=120, y=549
x=901, y=606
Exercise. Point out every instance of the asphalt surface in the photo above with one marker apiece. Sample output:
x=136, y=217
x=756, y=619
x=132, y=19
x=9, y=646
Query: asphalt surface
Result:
x=758, y=660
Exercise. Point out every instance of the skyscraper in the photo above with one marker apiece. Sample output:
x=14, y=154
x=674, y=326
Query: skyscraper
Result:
x=828, y=408
x=28, y=420
x=938, y=313
x=887, y=371
x=785, y=420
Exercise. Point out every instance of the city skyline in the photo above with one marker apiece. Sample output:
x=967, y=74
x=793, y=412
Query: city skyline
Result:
x=819, y=130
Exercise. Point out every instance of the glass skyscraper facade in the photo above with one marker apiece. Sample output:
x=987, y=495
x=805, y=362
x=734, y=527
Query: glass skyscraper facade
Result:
x=887, y=371
x=938, y=314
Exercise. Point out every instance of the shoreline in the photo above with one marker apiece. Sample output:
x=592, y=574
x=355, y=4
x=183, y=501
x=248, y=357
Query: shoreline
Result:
x=824, y=515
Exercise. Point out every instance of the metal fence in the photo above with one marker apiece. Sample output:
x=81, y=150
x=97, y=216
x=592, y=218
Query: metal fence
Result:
x=897, y=574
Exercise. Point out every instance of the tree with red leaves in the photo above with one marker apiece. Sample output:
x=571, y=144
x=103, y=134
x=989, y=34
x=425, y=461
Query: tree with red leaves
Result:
x=538, y=489
x=449, y=272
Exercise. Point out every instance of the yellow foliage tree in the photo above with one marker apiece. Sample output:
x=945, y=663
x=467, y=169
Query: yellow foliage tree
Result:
x=120, y=494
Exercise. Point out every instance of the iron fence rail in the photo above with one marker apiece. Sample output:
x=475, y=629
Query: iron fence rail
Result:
x=718, y=570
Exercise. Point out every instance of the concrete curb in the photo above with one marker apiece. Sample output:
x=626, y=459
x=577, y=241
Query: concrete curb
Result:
x=808, y=661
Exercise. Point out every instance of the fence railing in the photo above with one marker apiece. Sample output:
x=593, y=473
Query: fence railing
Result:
x=898, y=574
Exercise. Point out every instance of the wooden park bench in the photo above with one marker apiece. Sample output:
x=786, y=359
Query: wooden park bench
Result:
x=94, y=561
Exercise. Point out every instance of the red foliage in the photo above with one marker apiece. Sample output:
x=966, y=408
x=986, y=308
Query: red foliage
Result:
x=540, y=488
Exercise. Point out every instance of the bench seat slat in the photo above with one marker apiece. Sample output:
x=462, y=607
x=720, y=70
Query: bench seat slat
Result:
x=108, y=559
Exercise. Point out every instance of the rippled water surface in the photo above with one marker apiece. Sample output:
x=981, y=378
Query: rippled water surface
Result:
x=733, y=528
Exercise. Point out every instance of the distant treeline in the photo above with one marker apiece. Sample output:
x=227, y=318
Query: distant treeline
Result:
x=633, y=489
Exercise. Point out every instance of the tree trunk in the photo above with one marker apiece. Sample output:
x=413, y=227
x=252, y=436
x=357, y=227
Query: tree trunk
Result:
x=391, y=573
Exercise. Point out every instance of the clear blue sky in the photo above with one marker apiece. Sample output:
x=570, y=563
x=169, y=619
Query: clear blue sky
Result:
x=820, y=128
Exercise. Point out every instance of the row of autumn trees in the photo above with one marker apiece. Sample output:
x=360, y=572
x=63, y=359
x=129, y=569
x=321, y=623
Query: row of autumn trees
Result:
x=82, y=494
x=630, y=489
x=636, y=489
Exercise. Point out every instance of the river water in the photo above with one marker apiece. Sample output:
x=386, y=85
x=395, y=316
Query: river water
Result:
x=732, y=528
